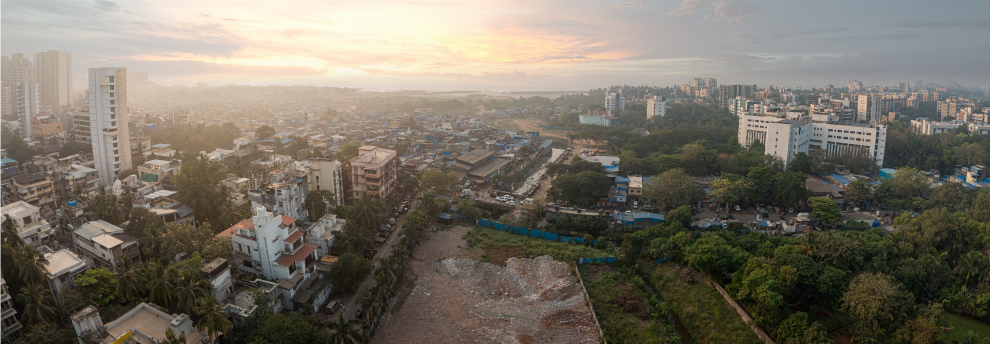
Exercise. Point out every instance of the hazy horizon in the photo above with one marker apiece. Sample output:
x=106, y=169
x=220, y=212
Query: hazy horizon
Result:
x=501, y=46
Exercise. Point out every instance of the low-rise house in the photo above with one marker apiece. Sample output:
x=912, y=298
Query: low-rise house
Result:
x=322, y=233
x=62, y=268
x=155, y=170
x=35, y=189
x=217, y=272
x=144, y=324
x=103, y=245
x=161, y=150
x=33, y=229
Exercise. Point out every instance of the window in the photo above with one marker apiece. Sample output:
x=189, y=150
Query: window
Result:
x=247, y=263
x=116, y=151
x=116, y=159
x=110, y=79
x=111, y=94
x=112, y=102
x=114, y=145
x=113, y=109
x=113, y=116
x=26, y=220
x=111, y=88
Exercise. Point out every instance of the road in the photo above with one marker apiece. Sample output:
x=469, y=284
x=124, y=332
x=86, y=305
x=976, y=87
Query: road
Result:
x=352, y=303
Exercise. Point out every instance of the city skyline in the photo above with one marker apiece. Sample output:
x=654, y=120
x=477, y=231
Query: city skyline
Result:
x=495, y=45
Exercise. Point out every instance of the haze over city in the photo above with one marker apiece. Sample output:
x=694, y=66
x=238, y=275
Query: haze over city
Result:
x=508, y=45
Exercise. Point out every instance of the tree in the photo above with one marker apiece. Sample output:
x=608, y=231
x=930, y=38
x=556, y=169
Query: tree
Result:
x=903, y=190
x=344, y=331
x=99, y=286
x=348, y=151
x=159, y=278
x=16, y=148
x=800, y=164
x=877, y=304
x=729, y=189
x=319, y=203
x=350, y=270
x=710, y=254
x=980, y=210
x=31, y=265
x=107, y=206
x=470, y=213
x=197, y=144
x=858, y=191
x=825, y=209
x=37, y=304
x=264, y=132
x=929, y=327
x=681, y=215
x=49, y=333
x=130, y=283
x=171, y=338
x=759, y=181
x=183, y=237
x=970, y=154
x=792, y=329
x=440, y=182
x=671, y=189
x=213, y=320
x=584, y=189
x=790, y=189
x=835, y=249
x=189, y=288
x=10, y=236
x=949, y=195
x=197, y=188
x=140, y=220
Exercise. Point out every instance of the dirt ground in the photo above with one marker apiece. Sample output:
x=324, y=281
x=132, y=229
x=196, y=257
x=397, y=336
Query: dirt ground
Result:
x=498, y=255
x=448, y=296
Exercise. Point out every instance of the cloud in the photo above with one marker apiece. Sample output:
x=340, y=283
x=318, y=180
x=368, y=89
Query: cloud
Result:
x=941, y=24
x=689, y=6
x=895, y=36
x=628, y=4
x=732, y=12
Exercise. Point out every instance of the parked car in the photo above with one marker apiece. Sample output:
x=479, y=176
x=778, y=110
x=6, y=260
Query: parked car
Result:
x=333, y=306
x=628, y=212
x=737, y=208
x=508, y=197
x=510, y=202
x=647, y=208
x=500, y=198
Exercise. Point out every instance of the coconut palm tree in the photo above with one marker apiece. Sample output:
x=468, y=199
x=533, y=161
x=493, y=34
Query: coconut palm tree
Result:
x=130, y=281
x=344, y=331
x=30, y=264
x=10, y=236
x=37, y=304
x=189, y=287
x=159, y=282
x=170, y=337
x=213, y=319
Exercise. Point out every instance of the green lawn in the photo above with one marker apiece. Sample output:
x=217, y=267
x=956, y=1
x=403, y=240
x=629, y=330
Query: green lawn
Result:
x=700, y=309
x=960, y=325
x=482, y=237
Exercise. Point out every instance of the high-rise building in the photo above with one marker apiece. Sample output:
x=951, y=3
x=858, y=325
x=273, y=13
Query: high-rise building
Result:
x=726, y=93
x=108, y=120
x=656, y=107
x=855, y=85
x=15, y=69
x=25, y=103
x=11, y=327
x=615, y=102
x=869, y=107
x=54, y=71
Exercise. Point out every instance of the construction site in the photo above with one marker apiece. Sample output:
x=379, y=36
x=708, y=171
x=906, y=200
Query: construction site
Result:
x=449, y=296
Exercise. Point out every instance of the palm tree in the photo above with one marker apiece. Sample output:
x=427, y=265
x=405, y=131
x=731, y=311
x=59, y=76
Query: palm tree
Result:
x=31, y=265
x=970, y=264
x=170, y=337
x=10, y=236
x=159, y=279
x=189, y=287
x=213, y=319
x=36, y=300
x=130, y=281
x=344, y=331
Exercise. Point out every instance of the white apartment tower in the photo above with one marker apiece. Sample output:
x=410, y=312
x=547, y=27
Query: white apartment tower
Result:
x=869, y=108
x=15, y=69
x=54, y=73
x=25, y=103
x=615, y=102
x=656, y=107
x=855, y=85
x=108, y=121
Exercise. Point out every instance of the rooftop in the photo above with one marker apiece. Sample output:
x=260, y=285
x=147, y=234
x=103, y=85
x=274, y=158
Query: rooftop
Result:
x=475, y=156
x=91, y=229
x=151, y=321
x=305, y=251
x=61, y=261
x=30, y=178
x=19, y=207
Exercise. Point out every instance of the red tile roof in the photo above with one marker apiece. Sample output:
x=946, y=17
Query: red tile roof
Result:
x=305, y=251
x=292, y=238
x=233, y=229
x=287, y=220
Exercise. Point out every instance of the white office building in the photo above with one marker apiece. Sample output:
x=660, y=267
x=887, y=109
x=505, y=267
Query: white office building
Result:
x=785, y=137
x=656, y=107
x=108, y=119
x=54, y=73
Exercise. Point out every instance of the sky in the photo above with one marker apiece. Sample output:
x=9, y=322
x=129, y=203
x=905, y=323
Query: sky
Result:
x=512, y=45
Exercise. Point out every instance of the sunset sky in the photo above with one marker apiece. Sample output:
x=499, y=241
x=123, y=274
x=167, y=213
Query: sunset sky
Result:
x=512, y=45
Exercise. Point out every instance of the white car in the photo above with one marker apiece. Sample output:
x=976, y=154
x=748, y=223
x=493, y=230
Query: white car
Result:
x=628, y=212
x=509, y=197
x=500, y=198
x=511, y=202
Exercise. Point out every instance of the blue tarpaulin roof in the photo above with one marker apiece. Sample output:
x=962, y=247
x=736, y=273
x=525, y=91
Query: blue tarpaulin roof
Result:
x=840, y=179
x=621, y=180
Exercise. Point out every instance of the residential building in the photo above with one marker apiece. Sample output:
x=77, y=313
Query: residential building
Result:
x=109, y=125
x=235, y=184
x=140, y=144
x=16, y=69
x=80, y=177
x=784, y=137
x=156, y=170
x=33, y=229
x=322, y=233
x=26, y=103
x=855, y=85
x=47, y=127
x=103, y=245
x=924, y=126
x=217, y=272
x=35, y=189
x=656, y=107
x=285, y=194
x=80, y=126
x=54, y=73
x=374, y=171
x=979, y=128
x=869, y=108
x=635, y=188
x=327, y=174
x=62, y=268
x=271, y=246
x=615, y=103
x=161, y=150
x=145, y=324
x=726, y=93
x=11, y=327
x=243, y=302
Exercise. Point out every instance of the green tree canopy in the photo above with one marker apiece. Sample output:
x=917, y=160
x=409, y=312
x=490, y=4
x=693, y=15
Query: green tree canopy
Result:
x=264, y=132
x=584, y=189
x=671, y=189
x=349, y=271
